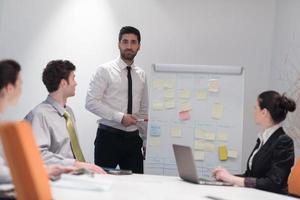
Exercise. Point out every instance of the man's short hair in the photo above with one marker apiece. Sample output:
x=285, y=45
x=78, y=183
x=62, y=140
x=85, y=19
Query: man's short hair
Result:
x=128, y=30
x=55, y=71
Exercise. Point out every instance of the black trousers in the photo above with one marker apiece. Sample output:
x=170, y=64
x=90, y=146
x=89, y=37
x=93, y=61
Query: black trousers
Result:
x=116, y=147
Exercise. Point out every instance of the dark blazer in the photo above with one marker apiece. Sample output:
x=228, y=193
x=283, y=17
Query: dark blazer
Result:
x=272, y=164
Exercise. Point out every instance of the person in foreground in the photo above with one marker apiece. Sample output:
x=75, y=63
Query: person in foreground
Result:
x=10, y=91
x=53, y=121
x=270, y=162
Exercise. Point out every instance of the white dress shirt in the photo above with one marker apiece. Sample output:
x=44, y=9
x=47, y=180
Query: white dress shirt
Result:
x=263, y=136
x=107, y=96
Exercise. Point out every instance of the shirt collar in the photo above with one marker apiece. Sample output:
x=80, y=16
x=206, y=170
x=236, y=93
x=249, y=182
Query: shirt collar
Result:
x=60, y=109
x=122, y=64
x=266, y=134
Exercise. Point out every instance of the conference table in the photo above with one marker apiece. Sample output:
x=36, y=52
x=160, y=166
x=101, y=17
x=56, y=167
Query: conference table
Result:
x=146, y=187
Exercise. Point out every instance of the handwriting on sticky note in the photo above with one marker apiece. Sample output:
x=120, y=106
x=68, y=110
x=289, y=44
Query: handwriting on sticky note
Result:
x=169, y=103
x=223, y=153
x=213, y=85
x=169, y=93
x=201, y=94
x=200, y=134
x=232, y=153
x=184, y=115
x=198, y=155
x=154, y=141
x=176, y=132
x=169, y=84
x=222, y=136
x=185, y=94
x=199, y=145
x=217, y=111
x=157, y=105
x=185, y=106
x=155, y=131
x=157, y=84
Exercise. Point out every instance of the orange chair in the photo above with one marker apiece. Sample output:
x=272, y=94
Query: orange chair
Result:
x=25, y=162
x=294, y=179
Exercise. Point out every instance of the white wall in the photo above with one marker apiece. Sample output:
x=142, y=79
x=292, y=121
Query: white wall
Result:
x=231, y=32
x=285, y=63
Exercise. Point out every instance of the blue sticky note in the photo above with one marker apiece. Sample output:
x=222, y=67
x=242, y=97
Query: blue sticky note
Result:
x=155, y=131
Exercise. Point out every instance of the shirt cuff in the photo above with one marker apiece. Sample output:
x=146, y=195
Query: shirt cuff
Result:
x=118, y=116
x=68, y=162
x=250, y=182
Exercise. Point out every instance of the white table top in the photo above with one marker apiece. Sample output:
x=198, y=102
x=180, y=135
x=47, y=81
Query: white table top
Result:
x=144, y=187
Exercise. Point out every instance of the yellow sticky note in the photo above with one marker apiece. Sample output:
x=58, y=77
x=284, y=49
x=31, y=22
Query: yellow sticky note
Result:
x=176, y=132
x=185, y=106
x=154, y=141
x=209, y=147
x=199, y=145
x=157, y=105
x=200, y=134
x=217, y=111
x=157, y=84
x=170, y=103
x=198, y=155
x=223, y=152
x=213, y=85
x=185, y=94
x=210, y=136
x=169, y=93
x=222, y=137
x=201, y=94
x=232, y=153
x=169, y=84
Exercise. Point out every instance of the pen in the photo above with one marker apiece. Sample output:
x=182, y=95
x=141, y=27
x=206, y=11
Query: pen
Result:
x=214, y=198
x=142, y=120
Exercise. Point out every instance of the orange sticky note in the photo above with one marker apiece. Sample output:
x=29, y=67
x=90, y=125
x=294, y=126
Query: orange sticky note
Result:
x=184, y=115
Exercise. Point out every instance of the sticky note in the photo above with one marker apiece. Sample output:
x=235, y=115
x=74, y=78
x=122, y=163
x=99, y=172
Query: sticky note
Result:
x=169, y=84
x=154, y=141
x=199, y=145
x=185, y=106
x=169, y=103
x=155, y=131
x=201, y=94
x=200, y=134
x=213, y=85
x=222, y=137
x=217, y=111
x=169, y=93
x=223, y=153
x=176, y=132
x=232, y=153
x=185, y=94
x=157, y=84
x=184, y=115
x=210, y=136
x=198, y=155
x=157, y=105
x=209, y=147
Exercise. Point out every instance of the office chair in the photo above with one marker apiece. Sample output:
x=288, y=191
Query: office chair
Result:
x=294, y=180
x=25, y=162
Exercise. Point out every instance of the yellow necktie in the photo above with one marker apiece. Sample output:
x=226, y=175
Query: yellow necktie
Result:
x=73, y=137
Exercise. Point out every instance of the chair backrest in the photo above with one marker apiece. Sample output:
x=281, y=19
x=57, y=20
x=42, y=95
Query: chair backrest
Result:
x=294, y=179
x=25, y=162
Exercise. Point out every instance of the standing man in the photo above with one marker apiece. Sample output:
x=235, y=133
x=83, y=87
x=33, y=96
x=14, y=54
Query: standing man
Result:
x=118, y=94
x=53, y=121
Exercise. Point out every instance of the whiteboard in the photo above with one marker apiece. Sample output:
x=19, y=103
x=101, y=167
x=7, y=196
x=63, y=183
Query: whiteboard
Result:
x=200, y=106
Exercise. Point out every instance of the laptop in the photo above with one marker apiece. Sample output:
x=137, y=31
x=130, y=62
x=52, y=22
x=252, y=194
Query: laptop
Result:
x=187, y=167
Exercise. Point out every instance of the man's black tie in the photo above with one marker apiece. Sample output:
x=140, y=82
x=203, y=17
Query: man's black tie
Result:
x=129, y=105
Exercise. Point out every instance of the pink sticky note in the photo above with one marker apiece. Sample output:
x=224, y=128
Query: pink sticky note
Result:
x=184, y=115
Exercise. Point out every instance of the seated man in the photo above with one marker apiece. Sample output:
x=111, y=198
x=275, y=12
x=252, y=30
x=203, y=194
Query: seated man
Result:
x=53, y=121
